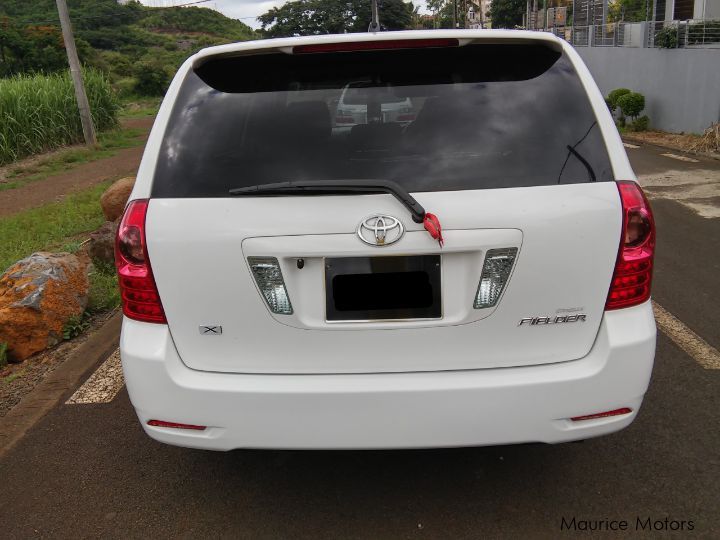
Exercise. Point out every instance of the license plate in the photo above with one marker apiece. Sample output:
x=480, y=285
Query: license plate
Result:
x=383, y=288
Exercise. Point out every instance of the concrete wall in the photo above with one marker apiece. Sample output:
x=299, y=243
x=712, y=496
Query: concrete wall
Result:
x=681, y=86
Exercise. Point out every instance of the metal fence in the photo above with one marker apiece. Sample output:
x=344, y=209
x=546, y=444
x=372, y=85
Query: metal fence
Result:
x=685, y=34
x=663, y=34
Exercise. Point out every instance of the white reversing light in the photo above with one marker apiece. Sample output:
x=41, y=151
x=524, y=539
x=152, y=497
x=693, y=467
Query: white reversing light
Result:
x=269, y=279
x=496, y=271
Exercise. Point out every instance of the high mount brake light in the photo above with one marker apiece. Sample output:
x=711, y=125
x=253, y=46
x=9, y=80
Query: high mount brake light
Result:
x=139, y=294
x=375, y=45
x=632, y=277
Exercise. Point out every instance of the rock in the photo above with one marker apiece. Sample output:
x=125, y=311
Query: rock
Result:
x=102, y=243
x=115, y=197
x=38, y=295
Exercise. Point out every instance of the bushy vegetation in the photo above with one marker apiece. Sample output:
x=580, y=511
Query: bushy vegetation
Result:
x=39, y=112
x=316, y=17
x=667, y=38
x=119, y=40
x=612, y=99
x=630, y=104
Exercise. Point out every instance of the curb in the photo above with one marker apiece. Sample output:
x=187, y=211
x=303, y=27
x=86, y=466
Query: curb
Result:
x=35, y=405
x=631, y=139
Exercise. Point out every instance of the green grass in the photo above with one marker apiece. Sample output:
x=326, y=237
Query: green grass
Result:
x=139, y=107
x=56, y=227
x=104, y=293
x=39, y=112
x=51, y=225
x=109, y=143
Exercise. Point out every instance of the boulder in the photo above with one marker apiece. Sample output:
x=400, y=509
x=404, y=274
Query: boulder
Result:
x=38, y=296
x=102, y=243
x=115, y=197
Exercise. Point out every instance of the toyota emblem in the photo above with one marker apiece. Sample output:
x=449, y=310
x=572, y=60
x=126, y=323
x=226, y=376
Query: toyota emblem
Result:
x=380, y=230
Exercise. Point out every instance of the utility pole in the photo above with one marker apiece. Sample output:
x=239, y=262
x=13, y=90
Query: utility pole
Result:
x=454, y=18
x=76, y=73
x=375, y=17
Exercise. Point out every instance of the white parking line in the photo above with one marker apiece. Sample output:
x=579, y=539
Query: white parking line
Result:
x=701, y=351
x=628, y=145
x=681, y=158
x=103, y=385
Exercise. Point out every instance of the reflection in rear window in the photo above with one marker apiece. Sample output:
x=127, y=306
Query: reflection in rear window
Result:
x=473, y=117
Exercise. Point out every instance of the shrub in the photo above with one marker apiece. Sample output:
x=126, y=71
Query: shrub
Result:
x=612, y=99
x=75, y=326
x=667, y=38
x=3, y=355
x=631, y=104
x=641, y=124
x=152, y=79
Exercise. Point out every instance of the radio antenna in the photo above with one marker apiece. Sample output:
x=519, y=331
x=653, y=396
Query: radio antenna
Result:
x=375, y=22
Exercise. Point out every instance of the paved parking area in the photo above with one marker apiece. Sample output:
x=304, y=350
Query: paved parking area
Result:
x=87, y=470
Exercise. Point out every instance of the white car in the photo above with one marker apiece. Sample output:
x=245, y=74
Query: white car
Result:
x=479, y=276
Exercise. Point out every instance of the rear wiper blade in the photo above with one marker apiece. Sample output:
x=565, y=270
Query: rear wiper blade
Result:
x=349, y=186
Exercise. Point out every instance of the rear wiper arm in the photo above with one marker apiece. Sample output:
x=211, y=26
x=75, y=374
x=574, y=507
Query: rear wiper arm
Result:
x=584, y=161
x=349, y=186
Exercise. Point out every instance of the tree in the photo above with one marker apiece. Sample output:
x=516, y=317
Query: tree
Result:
x=507, y=13
x=314, y=17
x=627, y=10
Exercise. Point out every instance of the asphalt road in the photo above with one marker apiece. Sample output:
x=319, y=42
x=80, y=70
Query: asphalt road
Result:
x=89, y=471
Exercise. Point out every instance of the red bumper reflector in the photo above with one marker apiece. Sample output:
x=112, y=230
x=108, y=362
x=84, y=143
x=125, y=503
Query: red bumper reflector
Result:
x=162, y=423
x=616, y=412
x=375, y=45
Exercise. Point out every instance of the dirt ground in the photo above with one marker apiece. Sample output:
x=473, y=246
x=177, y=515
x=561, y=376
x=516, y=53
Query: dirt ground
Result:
x=53, y=188
x=698, y=144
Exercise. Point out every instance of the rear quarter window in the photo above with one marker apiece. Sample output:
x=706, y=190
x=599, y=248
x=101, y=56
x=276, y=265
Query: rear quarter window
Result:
x=438, y=119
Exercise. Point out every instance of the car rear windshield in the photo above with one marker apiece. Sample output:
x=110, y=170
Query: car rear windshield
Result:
x=431, y=119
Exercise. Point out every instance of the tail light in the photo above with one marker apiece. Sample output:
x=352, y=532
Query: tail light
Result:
x=632, y=278
x=139, y=294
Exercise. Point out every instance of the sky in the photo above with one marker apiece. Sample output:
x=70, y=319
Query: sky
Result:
x=245, y=10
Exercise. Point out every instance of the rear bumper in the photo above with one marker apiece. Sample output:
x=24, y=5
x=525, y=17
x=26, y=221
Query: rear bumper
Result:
x=403, y=410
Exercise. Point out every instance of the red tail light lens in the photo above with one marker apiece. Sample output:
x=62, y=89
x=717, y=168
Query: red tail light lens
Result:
x=633, y=270
x=140, y=298
x=375, y=45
